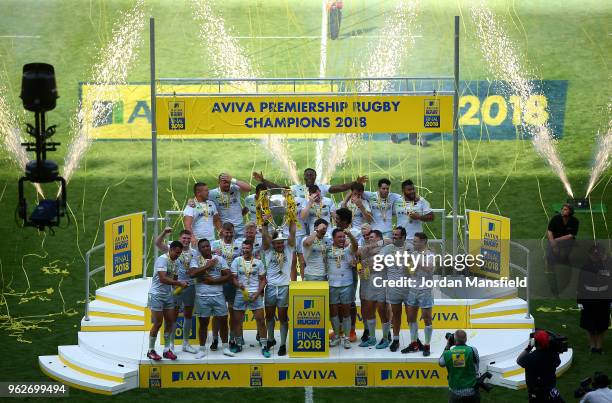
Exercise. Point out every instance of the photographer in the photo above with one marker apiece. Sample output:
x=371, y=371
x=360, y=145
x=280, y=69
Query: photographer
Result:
x=540, y=369
x=601, y=393
x=461, y=362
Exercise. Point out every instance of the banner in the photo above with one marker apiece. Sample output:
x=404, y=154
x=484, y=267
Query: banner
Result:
x=308, y=319
x=489, y=236
x=123, y=247
x=269, y=114
x=486, y=108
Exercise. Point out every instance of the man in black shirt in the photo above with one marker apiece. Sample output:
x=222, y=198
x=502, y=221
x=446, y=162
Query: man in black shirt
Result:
x=540, y=369
x=562, y=231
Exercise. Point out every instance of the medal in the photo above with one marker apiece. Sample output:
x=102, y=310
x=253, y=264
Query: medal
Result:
x=204, y=208
x=338, y=257
x=280, y=260
x=382, y=206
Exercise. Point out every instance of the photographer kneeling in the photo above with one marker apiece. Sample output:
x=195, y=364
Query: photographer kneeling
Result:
x=461, y=362
x=540, y=369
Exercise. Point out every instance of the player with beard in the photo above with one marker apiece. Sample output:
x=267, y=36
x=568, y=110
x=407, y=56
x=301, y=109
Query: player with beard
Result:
x=315, y=248
x=227, y=199
x=412, y=210
x=381, y=203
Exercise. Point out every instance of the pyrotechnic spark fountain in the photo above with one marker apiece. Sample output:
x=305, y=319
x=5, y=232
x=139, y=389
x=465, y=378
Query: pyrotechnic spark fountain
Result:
x=602, y=157
x=385, y=58
x=228, y=59
x=503, y=60
x=115, y=60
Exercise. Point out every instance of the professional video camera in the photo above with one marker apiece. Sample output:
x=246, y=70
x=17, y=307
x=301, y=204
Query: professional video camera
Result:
x=556, y=343
x=584, y=388
x=39, y=94
x=481, y=382
x=450, y=338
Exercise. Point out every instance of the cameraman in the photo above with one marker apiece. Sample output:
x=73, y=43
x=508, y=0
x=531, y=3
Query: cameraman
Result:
x=461, y=362
x=540, y=369
x=601, y=393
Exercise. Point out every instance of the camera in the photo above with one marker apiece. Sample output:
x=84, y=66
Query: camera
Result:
x=450, y=338
x=481, y=382
x=584, y=388
x=557, y=343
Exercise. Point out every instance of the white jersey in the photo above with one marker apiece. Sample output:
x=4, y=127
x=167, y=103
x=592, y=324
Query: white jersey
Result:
x=424, y=269
x=325, y=210
x=183, y=261
x=316, y=255
x=250, y=203
x=209, y=290
x=302, y=190
x=382, y=210
x=404, y=207
x=165, y=264
x=278, y=266
x=228, y=204
x=248, y=272
x=340, y=262
x=358, y=217
x=228, y=251
x=394, y=272
x=203, y=223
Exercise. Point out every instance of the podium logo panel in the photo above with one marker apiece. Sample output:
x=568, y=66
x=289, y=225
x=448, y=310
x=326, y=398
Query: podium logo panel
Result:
x=308, y=324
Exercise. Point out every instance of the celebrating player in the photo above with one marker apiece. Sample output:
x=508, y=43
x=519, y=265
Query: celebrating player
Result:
x=250, y=278
x=315, y=248
x=412, y=210
x=360, y=208
x=317, y=208
x=340, y=268
x=227, y=199
x=202, y=217
x=161, y=301
x=396, y=296
x=184, y=298
x=278, y=258
x=420, y=296
x=210, y=274
x=250, y=202
x=381, y=204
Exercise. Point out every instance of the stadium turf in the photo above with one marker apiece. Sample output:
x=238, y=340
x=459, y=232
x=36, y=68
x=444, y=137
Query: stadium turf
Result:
x=42, y=275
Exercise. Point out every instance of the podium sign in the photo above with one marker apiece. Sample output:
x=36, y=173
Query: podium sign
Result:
x=309, y=318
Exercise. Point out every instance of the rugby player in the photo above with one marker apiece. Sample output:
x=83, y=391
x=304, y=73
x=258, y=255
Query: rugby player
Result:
x=202, y=217
x=360, y=208
x=412, y=210
x=315, y=248
x=249, y=277
x=160, y=301
x=210, y=274
x=381, y=204
x=227, y=199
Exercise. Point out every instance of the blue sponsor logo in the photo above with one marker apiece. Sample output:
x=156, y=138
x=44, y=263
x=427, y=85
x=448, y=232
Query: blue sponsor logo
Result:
x=408, y=374
x=306, y=374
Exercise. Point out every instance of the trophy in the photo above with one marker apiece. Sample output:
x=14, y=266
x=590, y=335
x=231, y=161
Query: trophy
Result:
x=276, y=207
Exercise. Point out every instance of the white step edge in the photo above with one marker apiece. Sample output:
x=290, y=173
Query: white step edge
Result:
x=506, y=305
x=53, y=367
x=514, y=318
x=102, y=321
x=133, y=292
x=81, y=358
x=103, y=306
x=517, y=381
x=90, y=341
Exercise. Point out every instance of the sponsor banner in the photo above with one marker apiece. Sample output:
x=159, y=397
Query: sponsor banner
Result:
x=444, y=317
x=279, y=114
x=308, y=319
x=123, y=246
x=489, y=236
x=486, y=109
x=178, y=332
x=322, y=374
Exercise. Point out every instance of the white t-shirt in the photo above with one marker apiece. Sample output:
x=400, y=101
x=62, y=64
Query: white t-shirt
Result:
x=203, y=223
x=601, y=395
x=404, y=207
x=183, y=261
x=358, y=217
x=394, y=272
x=209, y=290
x=340, y=262
x=248, y=272
x=278, y=266
x=228, y=204
x=424, y=270
x=257, y=245
x=229, y=252
x=315, y=256
x=163, y=263
x=382, y=210
x=323, y=210
x=302, y=190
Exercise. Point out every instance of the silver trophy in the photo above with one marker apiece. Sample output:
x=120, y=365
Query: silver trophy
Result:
x=277, y=202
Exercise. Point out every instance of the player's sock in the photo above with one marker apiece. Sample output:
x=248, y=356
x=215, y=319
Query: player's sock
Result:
x=335, y=320
x=152, y=341
x=346, y=323
x=238, y=340
x=232, y=336
x=284, y=329
x=371, y=323
x=396, y=337
x=263, y=342
x=428, y=332
x=414, y=331
x=186, y=330
x=270, y=324
x=386, y=326
x=173, y=335
x=166, y=341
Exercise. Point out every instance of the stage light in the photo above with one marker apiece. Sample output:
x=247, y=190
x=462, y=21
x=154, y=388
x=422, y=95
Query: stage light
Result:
x=39, y=95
